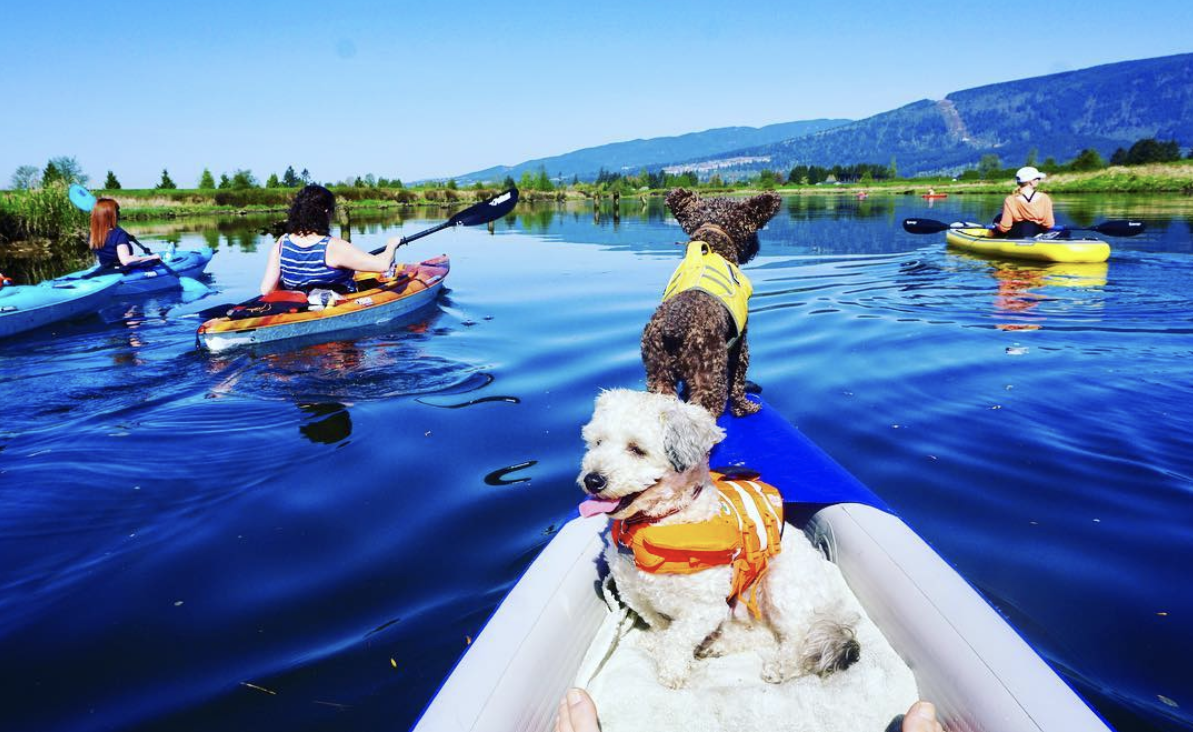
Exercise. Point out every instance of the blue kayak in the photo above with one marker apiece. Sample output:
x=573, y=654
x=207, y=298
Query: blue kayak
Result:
x=185, y=263
x=28, y=307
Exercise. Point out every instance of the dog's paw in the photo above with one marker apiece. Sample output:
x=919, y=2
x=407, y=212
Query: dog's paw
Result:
x=745, y=407
x=712, y=647
x=674, y=673
x=773, y=672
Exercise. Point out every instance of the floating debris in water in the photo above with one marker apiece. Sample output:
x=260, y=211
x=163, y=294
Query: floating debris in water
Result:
x=178, y=603
x=467, y=640
x=1016, y=350
x=1167, y=701
x=258, y=688
x=498, y=477
x=393, y=663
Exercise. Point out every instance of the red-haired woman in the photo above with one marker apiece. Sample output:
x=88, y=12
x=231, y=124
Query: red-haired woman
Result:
x=111, y=244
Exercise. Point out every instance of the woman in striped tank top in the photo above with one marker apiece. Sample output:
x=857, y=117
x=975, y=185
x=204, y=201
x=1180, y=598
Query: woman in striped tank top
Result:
x=308, y=257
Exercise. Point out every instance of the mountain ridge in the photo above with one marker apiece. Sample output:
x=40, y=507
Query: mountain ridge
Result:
x=1055, y=115
x=1101, y=107
x=653, y=153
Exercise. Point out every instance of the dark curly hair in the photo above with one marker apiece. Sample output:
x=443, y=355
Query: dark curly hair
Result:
x=311, y=211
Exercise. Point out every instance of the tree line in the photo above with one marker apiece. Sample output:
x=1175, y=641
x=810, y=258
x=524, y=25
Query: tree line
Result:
x=66, y=170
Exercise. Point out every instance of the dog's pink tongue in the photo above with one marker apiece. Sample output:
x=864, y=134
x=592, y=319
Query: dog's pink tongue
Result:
x=594, y=506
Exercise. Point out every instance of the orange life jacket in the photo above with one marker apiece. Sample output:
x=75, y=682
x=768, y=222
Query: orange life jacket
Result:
x=745, y=534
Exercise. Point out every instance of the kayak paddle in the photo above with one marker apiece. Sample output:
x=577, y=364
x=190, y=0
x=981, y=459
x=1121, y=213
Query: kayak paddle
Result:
x=1115, y=227
x=481, y=213
x=84, y=200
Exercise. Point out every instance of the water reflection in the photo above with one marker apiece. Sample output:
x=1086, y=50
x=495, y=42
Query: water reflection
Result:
x=1022, y=287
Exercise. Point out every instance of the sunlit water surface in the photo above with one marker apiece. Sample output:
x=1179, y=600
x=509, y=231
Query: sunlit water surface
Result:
x=307, y=537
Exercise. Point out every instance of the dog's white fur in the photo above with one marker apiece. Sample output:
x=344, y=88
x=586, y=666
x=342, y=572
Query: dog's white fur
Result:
x=657, y=447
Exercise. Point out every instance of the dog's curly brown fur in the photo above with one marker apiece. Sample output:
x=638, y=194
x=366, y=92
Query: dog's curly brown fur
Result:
x=687, y=338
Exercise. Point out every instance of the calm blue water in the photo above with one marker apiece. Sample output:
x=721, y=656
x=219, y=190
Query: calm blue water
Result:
x=306, y=538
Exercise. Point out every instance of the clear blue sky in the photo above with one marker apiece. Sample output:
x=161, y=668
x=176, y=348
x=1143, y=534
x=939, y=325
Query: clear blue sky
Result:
x=433, y=89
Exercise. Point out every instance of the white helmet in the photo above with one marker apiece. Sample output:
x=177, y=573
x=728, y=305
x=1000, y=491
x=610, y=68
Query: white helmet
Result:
x=1028, y=173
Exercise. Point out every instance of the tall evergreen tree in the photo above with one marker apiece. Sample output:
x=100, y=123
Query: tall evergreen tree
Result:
x=110, y=183
x=166, y=183
x=206, y=181
x=289, y=179
x=64, y=169
x=51, y=174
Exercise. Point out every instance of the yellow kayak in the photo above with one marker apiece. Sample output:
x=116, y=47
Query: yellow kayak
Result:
x=1045, y=250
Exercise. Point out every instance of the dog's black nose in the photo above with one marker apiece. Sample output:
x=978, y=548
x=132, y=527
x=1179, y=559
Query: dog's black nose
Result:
x=594, y=482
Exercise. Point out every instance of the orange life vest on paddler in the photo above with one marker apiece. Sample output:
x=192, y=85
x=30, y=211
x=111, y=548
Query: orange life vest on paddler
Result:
x=745, y=534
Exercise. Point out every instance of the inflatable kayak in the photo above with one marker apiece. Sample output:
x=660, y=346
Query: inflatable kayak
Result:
x=965, y=657
x=934, y=195
x=978, y=240
x=141, y=280
x=28, y=307
x=376, y=300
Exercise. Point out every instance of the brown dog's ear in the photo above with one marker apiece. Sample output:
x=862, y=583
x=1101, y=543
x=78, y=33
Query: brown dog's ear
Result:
x=689, y=433
x=681, y=203
x=757, y=210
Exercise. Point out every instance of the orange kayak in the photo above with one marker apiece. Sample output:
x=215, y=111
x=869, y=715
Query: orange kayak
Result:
x=377, y=300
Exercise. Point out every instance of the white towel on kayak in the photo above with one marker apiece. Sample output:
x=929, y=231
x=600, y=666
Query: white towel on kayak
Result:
x=727, y=694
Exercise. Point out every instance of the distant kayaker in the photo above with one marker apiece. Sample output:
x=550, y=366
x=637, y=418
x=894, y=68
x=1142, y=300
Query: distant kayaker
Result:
x=1027, y=212
x=112, y=245
x=309, y=257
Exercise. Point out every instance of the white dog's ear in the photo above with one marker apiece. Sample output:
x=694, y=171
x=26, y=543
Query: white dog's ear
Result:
x=689, y=432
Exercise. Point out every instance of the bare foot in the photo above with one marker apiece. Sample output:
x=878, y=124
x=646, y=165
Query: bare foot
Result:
x=921, y=718
x=577, y=713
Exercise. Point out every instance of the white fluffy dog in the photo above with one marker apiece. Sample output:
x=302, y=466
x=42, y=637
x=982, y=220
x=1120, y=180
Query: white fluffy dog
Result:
x=647, y=465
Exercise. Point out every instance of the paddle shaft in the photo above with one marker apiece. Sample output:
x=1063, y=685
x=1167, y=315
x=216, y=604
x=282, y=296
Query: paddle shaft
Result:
x=479, y=213
x=425, y=232
x=1115, y=227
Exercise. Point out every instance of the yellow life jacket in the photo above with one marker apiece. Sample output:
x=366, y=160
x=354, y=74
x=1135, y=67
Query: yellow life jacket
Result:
x=704, y=270
x=745, y=534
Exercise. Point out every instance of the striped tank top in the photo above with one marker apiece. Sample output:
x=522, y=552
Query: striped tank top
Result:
x=304, y=268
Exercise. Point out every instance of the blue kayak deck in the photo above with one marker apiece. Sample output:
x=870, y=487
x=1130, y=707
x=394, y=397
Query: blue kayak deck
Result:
x=769, y=445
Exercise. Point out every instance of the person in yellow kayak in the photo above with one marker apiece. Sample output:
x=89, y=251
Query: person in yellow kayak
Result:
x=1028, y=211
x=112, y=245
x=309, y=257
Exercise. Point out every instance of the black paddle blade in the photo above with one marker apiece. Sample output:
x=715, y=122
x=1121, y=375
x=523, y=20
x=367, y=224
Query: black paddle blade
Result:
x=486, y=211
x=924, y=226
x=1120, y=227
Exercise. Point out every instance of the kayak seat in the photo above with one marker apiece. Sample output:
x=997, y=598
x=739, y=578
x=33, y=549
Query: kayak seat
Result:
x=291, y=296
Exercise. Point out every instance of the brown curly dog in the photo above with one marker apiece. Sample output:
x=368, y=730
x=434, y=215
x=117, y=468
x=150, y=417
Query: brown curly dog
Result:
x=698, y=334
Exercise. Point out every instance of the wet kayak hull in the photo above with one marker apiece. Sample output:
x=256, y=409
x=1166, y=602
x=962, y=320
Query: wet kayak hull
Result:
x=25, y=308
x=413, y=287
x=979, y=241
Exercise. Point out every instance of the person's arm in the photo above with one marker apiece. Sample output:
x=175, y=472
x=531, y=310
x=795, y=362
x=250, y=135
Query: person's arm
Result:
x=1008, y=218
x=1049, y=217
x=345, y=256
x=273, y=269
x=124, y=250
